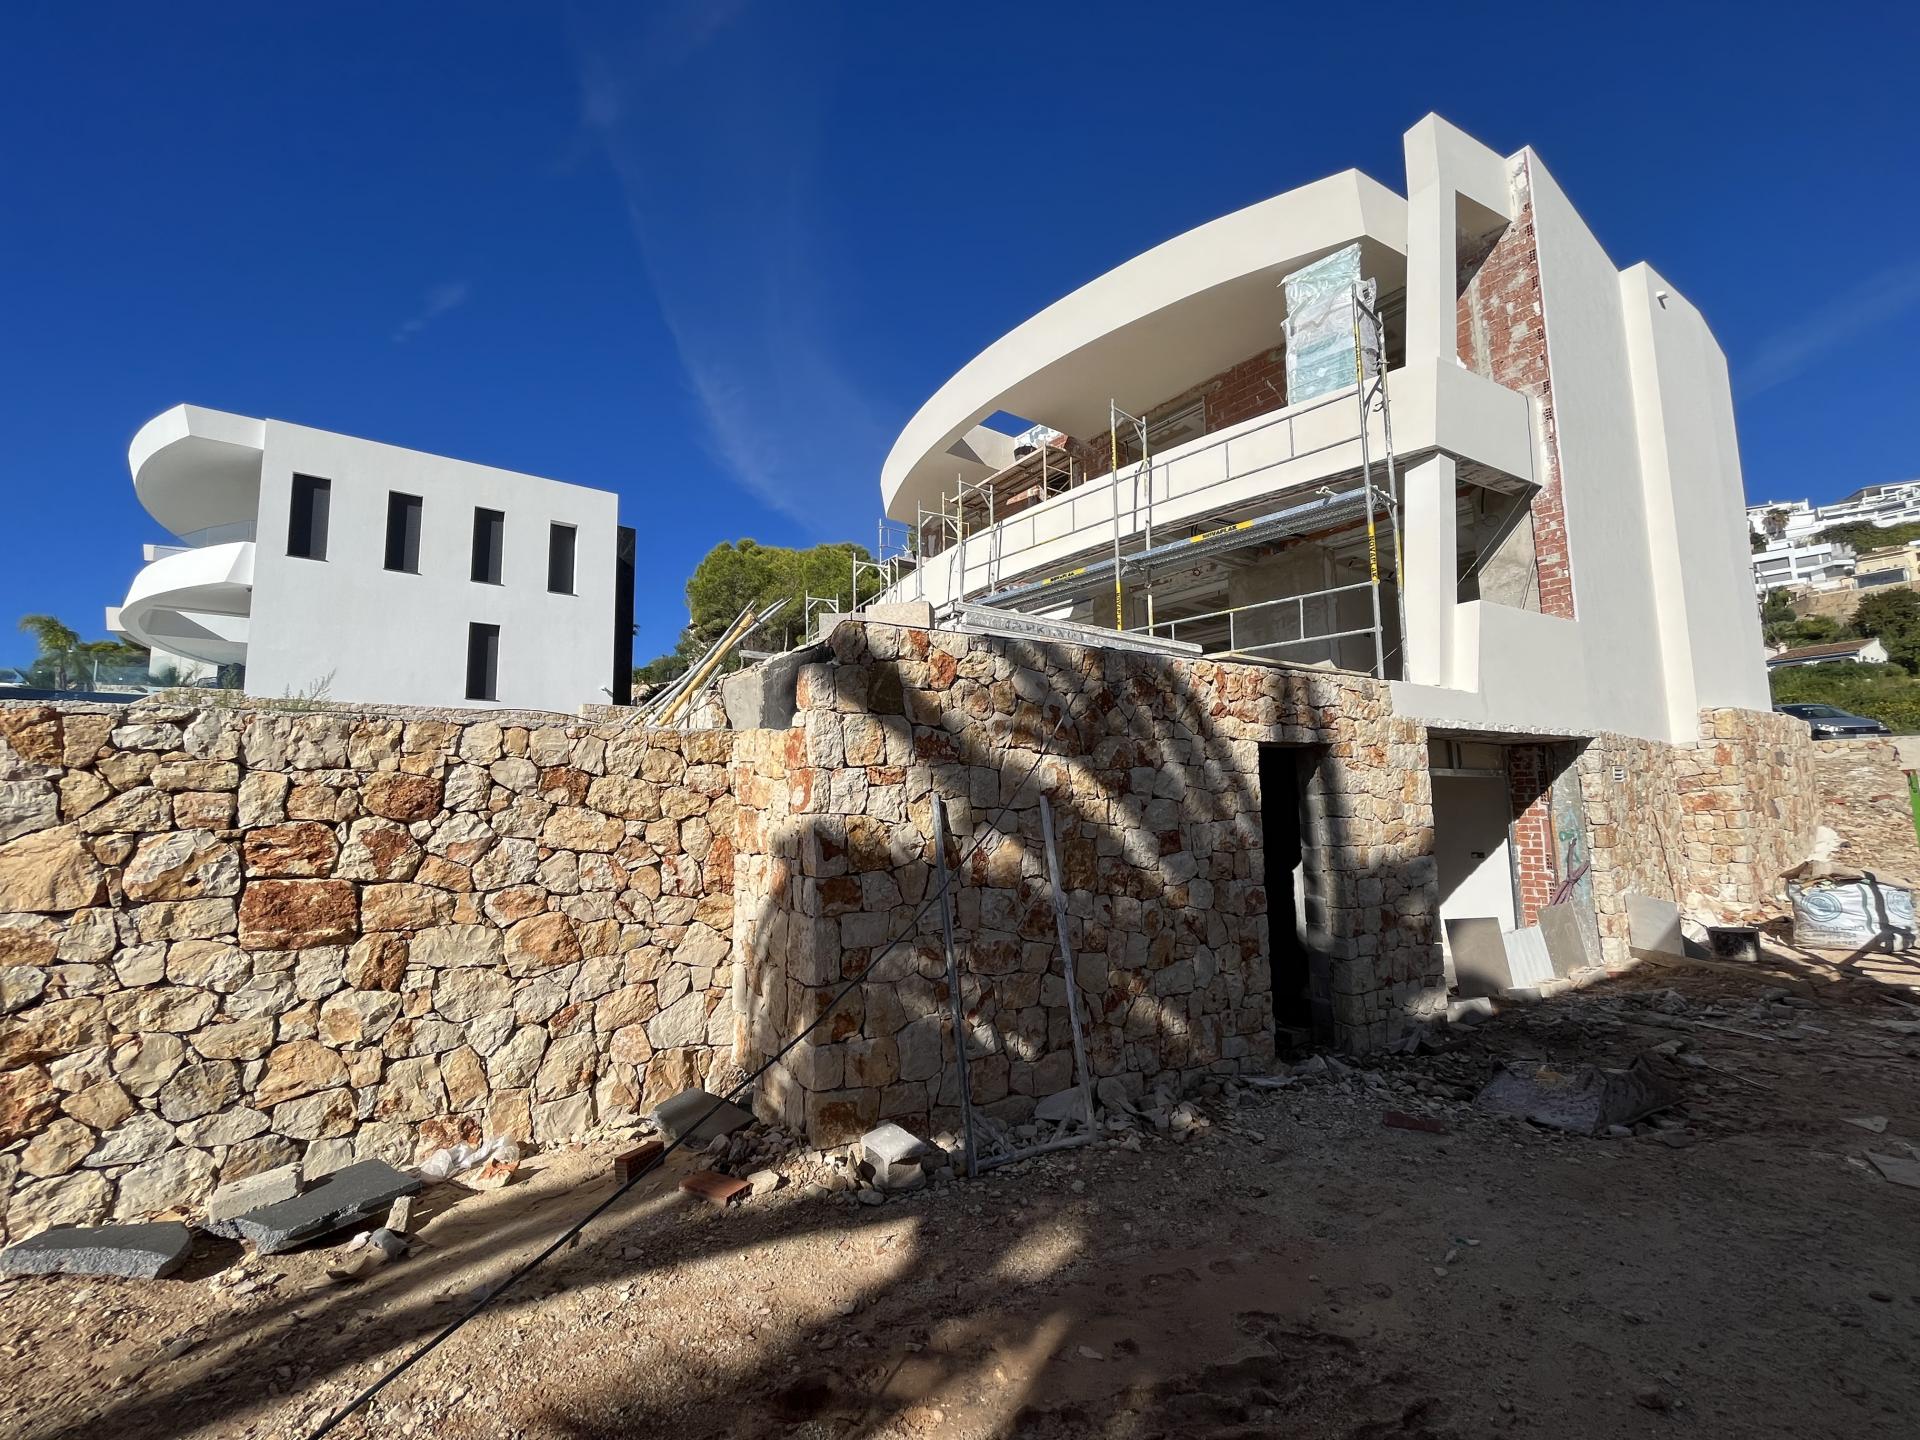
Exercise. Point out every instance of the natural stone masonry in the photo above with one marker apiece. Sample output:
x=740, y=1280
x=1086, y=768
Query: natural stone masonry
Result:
x=1153, y=768
x=1710, y=825
x=1869, y=805
x=233, y=939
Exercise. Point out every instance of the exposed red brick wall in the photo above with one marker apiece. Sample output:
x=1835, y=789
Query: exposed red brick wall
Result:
x=1530, y=774
x=1502, y=334
x=1251, y=387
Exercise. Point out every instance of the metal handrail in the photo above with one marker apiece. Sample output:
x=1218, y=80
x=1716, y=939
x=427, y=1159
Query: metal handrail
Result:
x=1163, y=465
x=1231, y=614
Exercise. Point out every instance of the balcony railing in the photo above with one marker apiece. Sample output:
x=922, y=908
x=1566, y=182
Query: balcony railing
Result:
x=1190, y=480
x=218, y=534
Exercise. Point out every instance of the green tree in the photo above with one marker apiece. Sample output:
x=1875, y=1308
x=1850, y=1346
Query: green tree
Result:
x=1776, y=616
x=1892, y=616
x=736, y=574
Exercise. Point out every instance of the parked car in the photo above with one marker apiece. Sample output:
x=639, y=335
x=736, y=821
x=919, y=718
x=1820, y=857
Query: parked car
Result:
x=1831, y=723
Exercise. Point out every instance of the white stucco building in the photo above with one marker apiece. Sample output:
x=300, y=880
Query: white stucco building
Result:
x=1569, y=555
x=1794, y=553
x=324, y=563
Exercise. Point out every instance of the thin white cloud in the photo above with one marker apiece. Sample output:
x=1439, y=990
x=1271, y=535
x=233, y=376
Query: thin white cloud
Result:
x=1789, y=353
x=448, y=295
x=744, y=295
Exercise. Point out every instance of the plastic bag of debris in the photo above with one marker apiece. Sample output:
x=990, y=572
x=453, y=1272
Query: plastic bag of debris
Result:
x=444, y=1163
x=1835, y=908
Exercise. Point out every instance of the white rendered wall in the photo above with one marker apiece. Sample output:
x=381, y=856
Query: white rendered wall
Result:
x=388, y=637
x=1637, y=624
x=1690, y=461
x=1471, y=814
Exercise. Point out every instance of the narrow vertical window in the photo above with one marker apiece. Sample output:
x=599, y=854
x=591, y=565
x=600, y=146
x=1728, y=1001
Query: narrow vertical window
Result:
x=560, y=559
x=307, y=517
x=489, y=534
x=483, y=662
x=403, y=532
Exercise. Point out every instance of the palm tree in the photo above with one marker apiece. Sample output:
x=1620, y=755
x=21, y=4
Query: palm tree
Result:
x=65, y=661
x=59, y=644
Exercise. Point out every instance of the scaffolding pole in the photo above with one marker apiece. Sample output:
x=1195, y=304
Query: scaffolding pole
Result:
x=1366, y=480
x=1114, y=416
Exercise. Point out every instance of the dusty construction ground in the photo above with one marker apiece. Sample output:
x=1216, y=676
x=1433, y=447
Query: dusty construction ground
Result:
x=1298, y=1268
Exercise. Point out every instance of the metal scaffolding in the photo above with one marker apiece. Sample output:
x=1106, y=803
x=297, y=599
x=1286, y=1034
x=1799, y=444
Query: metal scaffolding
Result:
x=1366, y=497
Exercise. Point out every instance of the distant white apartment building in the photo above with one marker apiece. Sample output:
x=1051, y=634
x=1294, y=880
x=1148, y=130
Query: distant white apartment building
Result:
x=1880, y=505
x=313, y=561
x=1805, y=563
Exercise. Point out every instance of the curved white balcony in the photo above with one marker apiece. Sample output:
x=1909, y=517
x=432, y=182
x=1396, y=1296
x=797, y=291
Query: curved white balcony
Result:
x=197, y=470
x=1144, y=331
x=194, y=603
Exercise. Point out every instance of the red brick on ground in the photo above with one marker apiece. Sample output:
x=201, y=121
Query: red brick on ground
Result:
x=629, y=1163
x=715, y=1188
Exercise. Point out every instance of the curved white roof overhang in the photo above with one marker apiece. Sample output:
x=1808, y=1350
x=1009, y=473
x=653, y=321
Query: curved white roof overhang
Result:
x=195, y=603
x=1147, y=330
x=195, y=468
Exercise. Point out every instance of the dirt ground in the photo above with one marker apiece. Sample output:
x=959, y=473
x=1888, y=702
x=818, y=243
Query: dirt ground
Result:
x=1299, y=1267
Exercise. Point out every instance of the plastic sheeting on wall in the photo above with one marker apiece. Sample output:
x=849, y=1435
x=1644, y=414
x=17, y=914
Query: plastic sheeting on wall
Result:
x=1320, y=325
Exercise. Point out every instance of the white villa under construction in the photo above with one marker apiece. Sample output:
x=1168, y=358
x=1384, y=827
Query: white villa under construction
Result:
x=1441, y=438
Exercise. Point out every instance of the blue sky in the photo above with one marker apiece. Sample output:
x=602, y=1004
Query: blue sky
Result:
x=714, y=254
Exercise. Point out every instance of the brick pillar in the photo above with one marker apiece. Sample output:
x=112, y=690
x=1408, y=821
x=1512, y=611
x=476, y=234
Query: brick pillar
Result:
x=1502, y=334
x=1530, y=786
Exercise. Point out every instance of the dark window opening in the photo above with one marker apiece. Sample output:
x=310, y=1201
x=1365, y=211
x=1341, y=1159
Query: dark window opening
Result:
x=307, y=517
x=624, y=553
x=560, y=545
x=1302, y=982
x=403, y=532
x=489, y=537
x=483, y=662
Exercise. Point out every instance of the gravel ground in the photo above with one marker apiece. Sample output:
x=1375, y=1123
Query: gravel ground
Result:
x=1294, y=1266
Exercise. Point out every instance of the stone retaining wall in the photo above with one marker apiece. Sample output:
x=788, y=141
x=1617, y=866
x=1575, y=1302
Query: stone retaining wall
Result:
x=1153, y=769
x=234, y=938
x=1709, y=825
x=1864, y=797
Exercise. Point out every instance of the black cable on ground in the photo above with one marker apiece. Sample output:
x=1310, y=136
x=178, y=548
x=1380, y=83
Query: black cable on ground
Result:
x=573, y=1231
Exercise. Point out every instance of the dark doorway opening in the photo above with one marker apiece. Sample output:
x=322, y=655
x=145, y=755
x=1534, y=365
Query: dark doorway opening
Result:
x=1302, y=1009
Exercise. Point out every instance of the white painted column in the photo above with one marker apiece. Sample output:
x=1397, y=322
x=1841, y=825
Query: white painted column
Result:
x=1431, y=557
x=1444, y=164
x=1431, y=279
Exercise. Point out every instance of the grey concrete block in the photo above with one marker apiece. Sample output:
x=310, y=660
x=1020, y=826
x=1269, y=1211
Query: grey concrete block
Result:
x=1653, y=925
x=685, y=1117
x=894, y=1155
x=230, y=1202
x=343, y=1198
x=1479, y=956
x=763, y=696
x=133, y=1252
x=1569, y=946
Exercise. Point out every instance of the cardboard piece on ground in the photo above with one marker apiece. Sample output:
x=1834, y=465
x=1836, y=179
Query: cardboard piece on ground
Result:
x=1569, y=947
x=1653, y=926
x=1479, y=957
